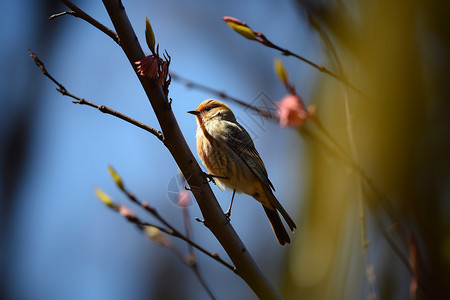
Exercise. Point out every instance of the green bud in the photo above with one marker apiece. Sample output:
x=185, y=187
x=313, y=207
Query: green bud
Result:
x=280, y=70
x=105, y=198
x=149, y=35
x=242, y=30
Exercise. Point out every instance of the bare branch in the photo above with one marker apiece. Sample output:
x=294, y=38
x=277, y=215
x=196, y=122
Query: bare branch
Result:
x=102, y=108
x=243, y=29
x=177, y=234
x=77, y=12
x=191, y=84
x=323, y=69
x=172, y=230
x=54, y=16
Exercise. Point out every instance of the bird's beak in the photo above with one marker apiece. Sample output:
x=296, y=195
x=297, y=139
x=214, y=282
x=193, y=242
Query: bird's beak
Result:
x=194, y=112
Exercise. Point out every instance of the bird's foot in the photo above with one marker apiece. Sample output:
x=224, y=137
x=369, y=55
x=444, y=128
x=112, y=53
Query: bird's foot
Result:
x=210, y=177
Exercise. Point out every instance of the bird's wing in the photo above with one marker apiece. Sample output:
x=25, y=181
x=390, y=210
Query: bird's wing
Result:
x=241, y=143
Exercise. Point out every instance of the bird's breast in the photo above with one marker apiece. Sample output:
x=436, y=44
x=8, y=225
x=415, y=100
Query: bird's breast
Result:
x=220, y=160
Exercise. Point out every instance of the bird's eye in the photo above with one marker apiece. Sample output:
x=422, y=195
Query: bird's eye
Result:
x=208, y=108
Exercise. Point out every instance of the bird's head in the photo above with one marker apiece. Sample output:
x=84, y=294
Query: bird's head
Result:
x=212, y=109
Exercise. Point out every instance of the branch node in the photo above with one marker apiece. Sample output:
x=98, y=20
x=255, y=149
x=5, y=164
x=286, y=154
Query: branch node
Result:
x=200, y=221
x=62, y=90
x=78, y=13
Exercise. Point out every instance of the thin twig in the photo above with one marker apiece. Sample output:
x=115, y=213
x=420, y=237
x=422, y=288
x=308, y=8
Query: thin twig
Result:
x=259, y=37
x=325, y=146
x=354, y=161
x=177, y=234
x=172, y=230
x=54, y=16
x=323, y=69
x=142, y=224
x=360, y=199
x=192, y=261
x=191, y=84
x=362, y=214
x=392, y=244
x=102, y=108
x=77, y=12
x=383, y=199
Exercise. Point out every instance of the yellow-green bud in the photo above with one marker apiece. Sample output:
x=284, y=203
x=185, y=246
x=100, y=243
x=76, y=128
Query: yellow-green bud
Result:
x=149, y=35
x=116, y=177
x=240, y=27
x=280, y=70
x=105, y=198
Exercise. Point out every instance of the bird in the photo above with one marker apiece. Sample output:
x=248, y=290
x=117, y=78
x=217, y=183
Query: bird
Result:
x=231, y=159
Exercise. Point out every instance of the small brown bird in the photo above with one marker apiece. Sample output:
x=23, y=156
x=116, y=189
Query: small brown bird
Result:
x=229, y=155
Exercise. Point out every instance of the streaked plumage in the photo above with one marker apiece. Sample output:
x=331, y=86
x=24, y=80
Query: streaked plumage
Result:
x=227, y=150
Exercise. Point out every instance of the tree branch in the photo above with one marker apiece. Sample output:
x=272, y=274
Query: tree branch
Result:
x=215, y=219
x=323, y=69
x=77, y=12
x=191, y=84
x=171, y=230
x=102, y=108
x=243, y=29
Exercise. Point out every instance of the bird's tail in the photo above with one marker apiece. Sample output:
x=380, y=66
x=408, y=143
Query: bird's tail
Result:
x=277, y=226
x=277, y=205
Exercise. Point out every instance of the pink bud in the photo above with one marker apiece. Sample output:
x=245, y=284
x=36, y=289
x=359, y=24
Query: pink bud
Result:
x=291, y=111
x=127, y=213
x=234, y=20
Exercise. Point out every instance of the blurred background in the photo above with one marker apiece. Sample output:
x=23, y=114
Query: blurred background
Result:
x=57, y=241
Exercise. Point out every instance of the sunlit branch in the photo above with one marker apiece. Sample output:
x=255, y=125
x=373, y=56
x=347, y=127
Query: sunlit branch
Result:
x=77, y=12
x=102, y=108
